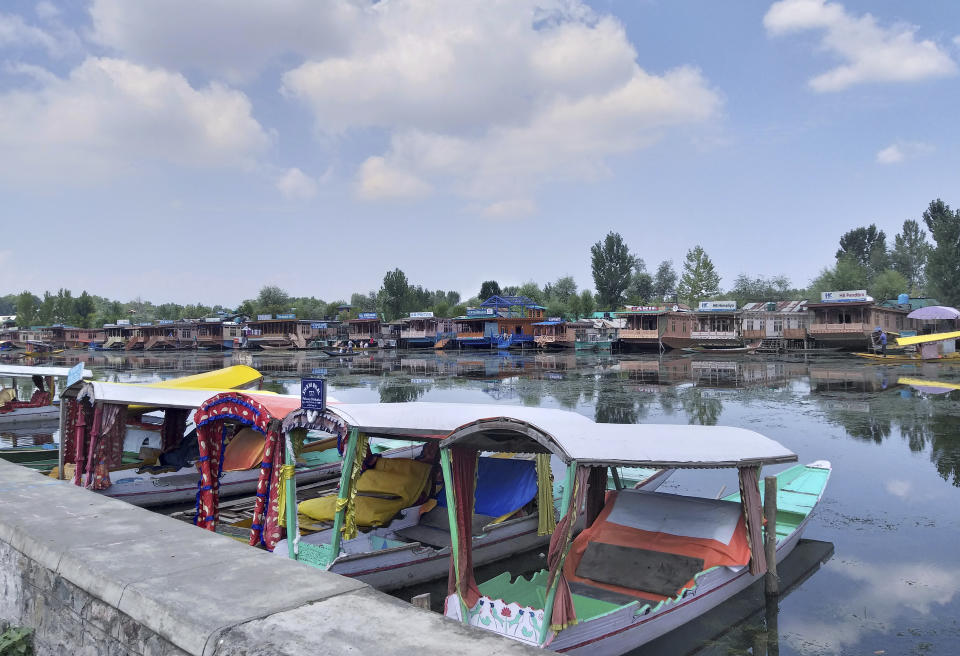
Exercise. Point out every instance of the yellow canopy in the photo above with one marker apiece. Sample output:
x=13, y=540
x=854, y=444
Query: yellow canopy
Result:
x=925, y=339
x=239, y=376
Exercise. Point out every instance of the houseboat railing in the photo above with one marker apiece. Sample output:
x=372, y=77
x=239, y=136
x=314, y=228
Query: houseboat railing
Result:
x=821, y=328
x=712, y=334
x=634, y=333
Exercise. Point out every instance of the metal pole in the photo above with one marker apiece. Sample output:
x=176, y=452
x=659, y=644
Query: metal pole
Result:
x=771, y=581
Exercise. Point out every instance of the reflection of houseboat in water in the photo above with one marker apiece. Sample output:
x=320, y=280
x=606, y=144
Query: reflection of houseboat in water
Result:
x=825, y=380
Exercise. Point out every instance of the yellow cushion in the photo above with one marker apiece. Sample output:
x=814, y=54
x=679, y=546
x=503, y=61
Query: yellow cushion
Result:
x=400, y=477
x=370, y=511
x=7, y=395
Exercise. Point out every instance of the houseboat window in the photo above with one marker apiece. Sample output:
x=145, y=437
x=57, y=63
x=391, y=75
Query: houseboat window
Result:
x=778, y=325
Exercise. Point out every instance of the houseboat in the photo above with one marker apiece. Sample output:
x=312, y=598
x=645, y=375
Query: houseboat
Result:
x=643, y=327
x=500, y=321
x=116, y=334
x=595, y=334
x=280, y=332
x=717, y=325
x=365, y=330
x=419, y=330
x=555, y=333
x=778, y=325
x=846, y=319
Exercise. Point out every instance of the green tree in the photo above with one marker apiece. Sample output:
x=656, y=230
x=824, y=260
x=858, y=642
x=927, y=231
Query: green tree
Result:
x=587, y=303
x=27, y=307
x=664, y=281
x=85, y=309
x=532, y=291
x=641, y=283
x=943, y=264
x=489, y=288
x=700, y=279
x=888, y=284
x=847, y=273
x=574, y=306
x=612, y=266
x=272, y=300
x=746, y=289
x=909, y=256
x=47, y=310
x=563, y=289
x=394, y=294
x=867, y=245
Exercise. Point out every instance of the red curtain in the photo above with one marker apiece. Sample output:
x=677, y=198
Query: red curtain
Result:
x=210, y=445
x=564, y=614
x=265, y=530
x=106, y=444
x=463, y=465
x=79, y=440
x=753, y=513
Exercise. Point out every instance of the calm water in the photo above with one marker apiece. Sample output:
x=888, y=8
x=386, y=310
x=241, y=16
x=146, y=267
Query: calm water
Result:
x=889, y=524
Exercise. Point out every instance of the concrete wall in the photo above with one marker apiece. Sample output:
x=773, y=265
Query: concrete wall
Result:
x=96, y=576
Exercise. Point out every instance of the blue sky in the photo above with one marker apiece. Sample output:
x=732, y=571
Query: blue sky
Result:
x=191, y=151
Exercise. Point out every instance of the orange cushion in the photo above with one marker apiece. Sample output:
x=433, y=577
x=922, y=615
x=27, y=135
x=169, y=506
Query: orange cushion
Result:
x=245, y=451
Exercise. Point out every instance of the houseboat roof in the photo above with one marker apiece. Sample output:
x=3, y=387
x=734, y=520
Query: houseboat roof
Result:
x=20, y=371
x=829, y=304
x=778, y=306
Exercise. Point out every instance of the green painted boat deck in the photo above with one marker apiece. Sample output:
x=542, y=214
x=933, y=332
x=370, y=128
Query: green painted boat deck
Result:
x=533, y=593
x=798, y=490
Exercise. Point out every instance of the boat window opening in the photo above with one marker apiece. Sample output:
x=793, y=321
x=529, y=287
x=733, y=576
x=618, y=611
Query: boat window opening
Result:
x=778, y=325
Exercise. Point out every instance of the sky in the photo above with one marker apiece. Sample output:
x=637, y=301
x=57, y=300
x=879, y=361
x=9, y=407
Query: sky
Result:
x=192, y=151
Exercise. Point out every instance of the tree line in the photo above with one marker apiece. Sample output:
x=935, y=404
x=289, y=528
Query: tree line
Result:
x=919, y=262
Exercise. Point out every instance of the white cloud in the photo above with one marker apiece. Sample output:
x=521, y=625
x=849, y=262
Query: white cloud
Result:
x=109, y=115
x=46, y=10
x=514, y=207
x=14, y=31
x=294, y=184
x=491, y=100
x=234, y=39
x=901, y=150
x=377, y=180
x=870, y=52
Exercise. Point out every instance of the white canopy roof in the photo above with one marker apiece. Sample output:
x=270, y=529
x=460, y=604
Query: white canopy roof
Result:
x=21, y=371
x=569, y=435
x=160, y=397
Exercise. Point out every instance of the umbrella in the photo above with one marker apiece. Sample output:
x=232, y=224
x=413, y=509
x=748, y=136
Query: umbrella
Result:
x=933, y=312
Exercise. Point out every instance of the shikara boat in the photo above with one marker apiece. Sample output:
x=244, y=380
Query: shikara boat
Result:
x=936, y=347
x=647, y=562
x=41, y=407
x=720, y=350
x=387, y=525
x=106, y=420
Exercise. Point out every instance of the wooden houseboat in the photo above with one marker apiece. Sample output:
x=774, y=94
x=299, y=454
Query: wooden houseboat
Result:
x=135, y=336
x=846, y=319
x=778, y=325
x=283, y=332
x=114, y=332
x=677, y=328
x=596, y=334
x=644, y=325
x=717, y=325
x=555, y=333
x=365, y=330
x=419, y=330
x=500, y=321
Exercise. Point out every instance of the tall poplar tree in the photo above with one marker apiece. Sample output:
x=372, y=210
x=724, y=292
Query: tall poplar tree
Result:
x=909, y=256
x=943, y=265
x=612, y=266
x=700, y=279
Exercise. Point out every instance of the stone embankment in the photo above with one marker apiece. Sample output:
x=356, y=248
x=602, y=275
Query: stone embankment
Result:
x=92, y=575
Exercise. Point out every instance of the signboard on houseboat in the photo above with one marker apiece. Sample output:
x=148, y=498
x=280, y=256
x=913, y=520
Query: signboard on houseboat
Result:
x=421, y=315
x=313, y=394
x=212, y=319
x=367, y=315
x=717, y=306
x=842, y=296
x=123, y=322
x=164, y=322
x=286, y=316
x=479, y=312
x=318, y=326
x=264, y=317
x=643, y=308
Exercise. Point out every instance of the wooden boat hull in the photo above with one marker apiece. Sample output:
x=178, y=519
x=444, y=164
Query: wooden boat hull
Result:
x=953, y=358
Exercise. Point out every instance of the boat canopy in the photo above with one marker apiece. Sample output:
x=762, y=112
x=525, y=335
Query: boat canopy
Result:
x=20, y=371
x=159, y=397
x=639, y=445
x=926, y=339
x=239, y=376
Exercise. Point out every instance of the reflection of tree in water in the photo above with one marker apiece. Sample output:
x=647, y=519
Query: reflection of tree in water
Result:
x=397, y=391
x=669, y=399
x=616, y=407
x=567, y=393
x=530, y=391
x=945, y=447
x=703, y=409
x=867, y=426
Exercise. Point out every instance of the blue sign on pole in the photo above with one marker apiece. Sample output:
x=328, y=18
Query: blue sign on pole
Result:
x=75, y=374
x=313, y=394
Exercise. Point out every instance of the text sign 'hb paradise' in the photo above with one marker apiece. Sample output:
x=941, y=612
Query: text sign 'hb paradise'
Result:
x=313, y=394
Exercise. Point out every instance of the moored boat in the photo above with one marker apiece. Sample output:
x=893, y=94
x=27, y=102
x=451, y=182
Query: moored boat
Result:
x=41, y=407
x=647, y=562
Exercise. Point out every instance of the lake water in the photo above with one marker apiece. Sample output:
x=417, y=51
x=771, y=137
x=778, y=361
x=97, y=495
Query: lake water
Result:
x=889, y=524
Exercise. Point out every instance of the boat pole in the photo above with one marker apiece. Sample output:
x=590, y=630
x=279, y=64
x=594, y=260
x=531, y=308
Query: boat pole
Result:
x=346, y=470
x=64, y=403
x=771, y=581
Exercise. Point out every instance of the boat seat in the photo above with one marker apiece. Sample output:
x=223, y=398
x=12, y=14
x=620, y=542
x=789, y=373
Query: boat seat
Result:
x=655, y=572
x=438, y=518
x=609, y=596
x=434, y=528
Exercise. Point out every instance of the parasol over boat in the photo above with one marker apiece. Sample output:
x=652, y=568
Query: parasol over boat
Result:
x=934, y=313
